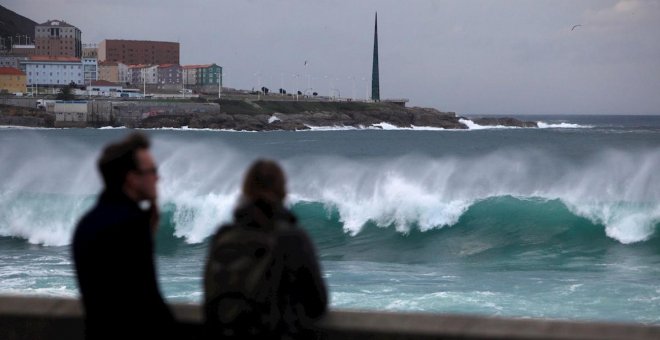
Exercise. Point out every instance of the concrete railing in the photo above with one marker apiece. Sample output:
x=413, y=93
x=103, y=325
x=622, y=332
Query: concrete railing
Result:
x=53, y=318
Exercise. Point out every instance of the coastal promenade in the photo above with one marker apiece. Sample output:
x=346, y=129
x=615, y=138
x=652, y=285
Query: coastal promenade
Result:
x=23, y=318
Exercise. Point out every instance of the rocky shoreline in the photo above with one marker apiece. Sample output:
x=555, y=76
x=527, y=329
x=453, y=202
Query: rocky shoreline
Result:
x=241, y=115
x=295, y=116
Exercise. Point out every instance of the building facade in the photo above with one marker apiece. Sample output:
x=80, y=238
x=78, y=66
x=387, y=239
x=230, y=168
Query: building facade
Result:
x=189, y=74
x=210, y=74
x=57, y=38
x=135, y=52
x=114, y=72
x=23, y=50
x=169, y=74
x=53, y=71
x=144, y=74
x=90, y=51
x=12, y=80
x=11, y=61
x=90, y=70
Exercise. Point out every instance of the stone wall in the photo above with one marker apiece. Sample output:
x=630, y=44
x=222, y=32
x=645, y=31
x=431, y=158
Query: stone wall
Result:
x=23, y=318
x=130, y=113
x=29, y=102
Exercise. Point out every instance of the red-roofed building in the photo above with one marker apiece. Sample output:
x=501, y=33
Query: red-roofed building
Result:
x=169, y=74
x=208, y=74
x=12, y=80
x=53, y=70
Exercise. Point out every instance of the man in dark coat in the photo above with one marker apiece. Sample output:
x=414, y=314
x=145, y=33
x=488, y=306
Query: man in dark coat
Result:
x=113, y=248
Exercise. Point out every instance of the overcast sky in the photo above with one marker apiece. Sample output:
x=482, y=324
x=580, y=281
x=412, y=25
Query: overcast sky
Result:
x=472, y=57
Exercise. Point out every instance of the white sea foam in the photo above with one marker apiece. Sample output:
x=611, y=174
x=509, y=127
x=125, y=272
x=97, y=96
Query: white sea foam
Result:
x=186, y=128
x=386, y=126
x=331, y=128
x=426, y=128
x=273, y=119
x=474, y=126
x=543, y=125
x=619, y=190
x=204, y=190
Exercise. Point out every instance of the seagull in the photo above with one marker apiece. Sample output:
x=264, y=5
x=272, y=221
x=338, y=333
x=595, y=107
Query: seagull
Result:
x=575, y=26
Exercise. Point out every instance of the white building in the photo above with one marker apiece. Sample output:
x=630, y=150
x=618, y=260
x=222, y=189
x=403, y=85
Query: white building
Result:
x=151, y=74
x=123, y=73
x=144, y=74
x=53, y=71
x=90, y=70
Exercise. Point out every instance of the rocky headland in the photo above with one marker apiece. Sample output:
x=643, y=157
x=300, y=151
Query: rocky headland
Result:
x=253, y=115
x=291, y=115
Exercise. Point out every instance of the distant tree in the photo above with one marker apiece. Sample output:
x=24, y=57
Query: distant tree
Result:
x=300, y=93
x=66, y=93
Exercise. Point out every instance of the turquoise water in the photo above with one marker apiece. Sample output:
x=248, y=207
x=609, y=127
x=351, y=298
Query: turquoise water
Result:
x=559, y=222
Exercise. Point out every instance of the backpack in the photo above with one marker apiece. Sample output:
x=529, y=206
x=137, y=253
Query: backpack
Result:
x=241, y=280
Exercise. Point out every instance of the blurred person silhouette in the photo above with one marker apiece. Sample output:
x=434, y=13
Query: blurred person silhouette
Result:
x=113, y=247
x=262, y=278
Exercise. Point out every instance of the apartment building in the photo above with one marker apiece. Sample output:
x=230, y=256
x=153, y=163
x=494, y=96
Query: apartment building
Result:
x=169, y=74
x=136, y=52
x=57, y=38
x=208, y=74
x=12, y=80
x=53, y=71
x=114, y=72
x=143, y=74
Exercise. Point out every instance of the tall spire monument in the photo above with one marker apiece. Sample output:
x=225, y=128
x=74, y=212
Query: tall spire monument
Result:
x=375, y=84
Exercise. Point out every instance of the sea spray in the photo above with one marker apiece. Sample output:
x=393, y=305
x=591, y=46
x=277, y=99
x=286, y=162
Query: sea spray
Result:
x=49, y=185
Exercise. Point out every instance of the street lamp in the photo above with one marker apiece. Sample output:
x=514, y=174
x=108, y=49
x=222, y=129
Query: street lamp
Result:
x=297, y=76
x=352, y=78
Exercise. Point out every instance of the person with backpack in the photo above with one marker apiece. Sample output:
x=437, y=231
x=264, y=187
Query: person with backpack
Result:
x=262, y=279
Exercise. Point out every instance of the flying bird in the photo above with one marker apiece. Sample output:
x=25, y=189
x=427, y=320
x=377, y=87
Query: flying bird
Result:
x=575, y=26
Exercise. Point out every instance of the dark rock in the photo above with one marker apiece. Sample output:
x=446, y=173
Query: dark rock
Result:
x=504, y=122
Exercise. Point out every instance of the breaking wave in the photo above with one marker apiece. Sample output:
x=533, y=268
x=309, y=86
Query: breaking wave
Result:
x=47, y=187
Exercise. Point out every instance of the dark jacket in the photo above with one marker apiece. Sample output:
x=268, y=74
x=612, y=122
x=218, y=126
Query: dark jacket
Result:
x=301, y=294
x=113, y=254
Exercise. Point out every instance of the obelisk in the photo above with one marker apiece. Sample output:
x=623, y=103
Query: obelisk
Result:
x=375, y=84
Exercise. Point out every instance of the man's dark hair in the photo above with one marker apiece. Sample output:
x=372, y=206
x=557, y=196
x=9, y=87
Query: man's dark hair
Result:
x=119, y=158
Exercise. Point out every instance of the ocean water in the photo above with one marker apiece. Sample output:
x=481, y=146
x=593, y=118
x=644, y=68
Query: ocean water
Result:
x=559, y=222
